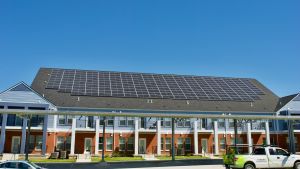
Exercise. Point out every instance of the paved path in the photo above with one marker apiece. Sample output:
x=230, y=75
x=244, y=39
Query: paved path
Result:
x=180, y=164
x=189, y=167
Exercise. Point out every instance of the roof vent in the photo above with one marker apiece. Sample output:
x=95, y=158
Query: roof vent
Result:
x=78, y=98
x=251, y=104
x=187, y=102
x=149, y=101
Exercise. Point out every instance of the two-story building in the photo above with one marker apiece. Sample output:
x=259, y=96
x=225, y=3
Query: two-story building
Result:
x=103, y=91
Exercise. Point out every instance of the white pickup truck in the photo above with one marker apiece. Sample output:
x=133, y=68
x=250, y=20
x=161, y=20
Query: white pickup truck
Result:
x=263, y=157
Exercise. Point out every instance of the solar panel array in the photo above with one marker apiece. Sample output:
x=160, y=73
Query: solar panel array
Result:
x=144, y=85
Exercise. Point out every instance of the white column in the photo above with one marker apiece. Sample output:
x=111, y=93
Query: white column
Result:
x=268, y=142
x=73, y=136
x=249, y=138
x=216, y=138
x=158, y=134
x=45, y=127
x=97, y=136
x=2, y=137
x=136, y=136
x=196, y=137
x=23, y=141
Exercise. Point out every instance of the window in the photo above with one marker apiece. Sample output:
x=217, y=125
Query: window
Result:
x=130, y=121
x=180, y=143
x=37, y=120
x=187, y=144
x=60, y=143
x=280, y=152
x=122, y=144
x=23, y=166
x=109, y=143
x=38, y=142
x=122, y=121
x=64, y=120
x=180, y=123
x=162, y=143
x=31, y=142
x=259, y=151
x=90, y=121
x=100, y=143
x=109, y=121
x=272, y=152
x=168, y=143
x=231, y=123
x=130, y=143
x=10, y=165
x=222, y=143
x=203, y=123
x=187, y=123
x=221, y=123
x=63, y=143
x=167, y=122
x=68, y=143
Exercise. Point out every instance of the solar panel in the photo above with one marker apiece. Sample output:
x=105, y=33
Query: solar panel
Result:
x=145, y=85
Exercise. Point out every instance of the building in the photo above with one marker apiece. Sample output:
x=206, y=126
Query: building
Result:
x=72, y=90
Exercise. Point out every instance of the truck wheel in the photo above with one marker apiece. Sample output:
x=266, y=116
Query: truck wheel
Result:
x=250, y=166
x=297, y=165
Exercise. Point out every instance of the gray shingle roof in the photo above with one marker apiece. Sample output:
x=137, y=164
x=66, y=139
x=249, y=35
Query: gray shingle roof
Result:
x=267, y=103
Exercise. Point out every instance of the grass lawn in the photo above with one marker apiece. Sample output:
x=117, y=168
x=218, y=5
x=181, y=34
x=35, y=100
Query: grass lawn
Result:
x=36, y=160
x=181, y=157
x=116, y=159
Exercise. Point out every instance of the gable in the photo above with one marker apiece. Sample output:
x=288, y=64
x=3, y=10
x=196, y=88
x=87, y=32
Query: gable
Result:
x=22, y=93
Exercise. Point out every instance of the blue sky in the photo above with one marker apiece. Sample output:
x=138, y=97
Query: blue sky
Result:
x=257, y=39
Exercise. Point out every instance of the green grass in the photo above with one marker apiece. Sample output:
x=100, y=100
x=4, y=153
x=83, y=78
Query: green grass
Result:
x=39, y=160
x=116, y=159
x=181, y=157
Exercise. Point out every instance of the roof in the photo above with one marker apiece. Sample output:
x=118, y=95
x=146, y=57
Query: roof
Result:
x=22, y=93
x=266, y=102
x=284, y=100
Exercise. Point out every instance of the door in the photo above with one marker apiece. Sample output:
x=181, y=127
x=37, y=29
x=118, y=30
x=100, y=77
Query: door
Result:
x=142, y=146
x=87, y=145
x=15, y=144
x=274, y=160
x=286, y=160
x=204, y=146
x=260, y=158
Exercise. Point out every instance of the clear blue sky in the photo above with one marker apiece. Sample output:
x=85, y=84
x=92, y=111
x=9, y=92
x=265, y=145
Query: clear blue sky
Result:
x=258, y=39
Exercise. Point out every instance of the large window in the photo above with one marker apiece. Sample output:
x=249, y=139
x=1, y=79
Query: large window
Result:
x=31, y=142
x=64, y=120
x=35, y=142
x=63, y=143
x=130, y=144
x=122, y=144
x=222, y=143
x=162, y=143
x=188, y=144
x=100, y=143
x=168, y=144
x=60, y=143
x=109, y=143
x=180, y=143
x=38, y=142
